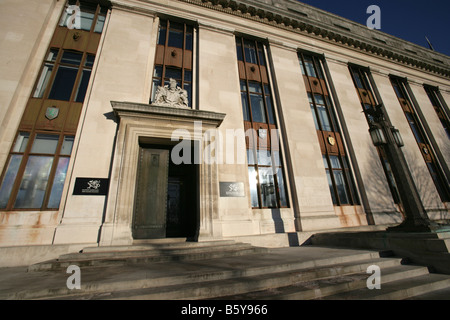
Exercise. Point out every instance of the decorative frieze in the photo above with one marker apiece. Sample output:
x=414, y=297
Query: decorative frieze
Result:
x=283, y=16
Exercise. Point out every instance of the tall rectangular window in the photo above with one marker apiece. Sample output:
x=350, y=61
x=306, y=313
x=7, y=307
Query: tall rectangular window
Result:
x=401, y=90
x=265, y=166
x=363, y=86
x=36, y=168
x=434, y=96
x=174, y=57
x=340, y=179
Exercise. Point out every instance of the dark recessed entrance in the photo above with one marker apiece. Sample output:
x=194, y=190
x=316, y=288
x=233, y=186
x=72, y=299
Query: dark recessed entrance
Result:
x=166, y=202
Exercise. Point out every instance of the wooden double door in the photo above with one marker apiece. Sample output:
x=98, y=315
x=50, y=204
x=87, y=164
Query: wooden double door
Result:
x=166, y=201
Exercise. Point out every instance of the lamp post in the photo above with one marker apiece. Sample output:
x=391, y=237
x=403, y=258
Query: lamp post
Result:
x=384, y=135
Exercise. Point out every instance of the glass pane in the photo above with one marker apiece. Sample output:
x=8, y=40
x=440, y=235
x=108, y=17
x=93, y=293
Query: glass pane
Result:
x=173, y=73
x=250, y=156
x=89, y=60
x=162, y=33
x=264, y=158
x=281, y=188
x=99, y=24
x=310, y=67
x=156, y=84
x=276, y=158
x=158, y=71
x=34, y=182
x=341, y=187
x=67, y=146
x=82, y=86
x=63, y=83
x=250, y=52
x=330, y=185
x=45, y=143
x=86, y=20
x=187, y=75
x=262, y=60
x=302, y=67
x=176, y=35
x=358, y=80
x=243, y=86
x=253, y=180
x=335, y=164
x=257, y=104
x=63, y=21
x=71, y=58
x=21, y=142
x=58, y=183
x=52, y=55
x=268, y=194
x=313, y=111
x=189, y=38
x=43, y=81
x=188, y=88
x=270, y=110
x=325, y=161
x=324, y=120
x=254, y=87
x=414, y=127
x=239, y=49
x=8, y=180
x=245, y=110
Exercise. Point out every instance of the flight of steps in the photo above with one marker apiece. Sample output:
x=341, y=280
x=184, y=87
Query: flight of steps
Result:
x=148, y=251
x=175, y=269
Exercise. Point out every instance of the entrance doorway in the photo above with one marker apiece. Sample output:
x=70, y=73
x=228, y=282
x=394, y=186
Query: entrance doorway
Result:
x=166, y=202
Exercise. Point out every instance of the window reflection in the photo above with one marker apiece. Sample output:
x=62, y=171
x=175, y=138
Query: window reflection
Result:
x=34, y=183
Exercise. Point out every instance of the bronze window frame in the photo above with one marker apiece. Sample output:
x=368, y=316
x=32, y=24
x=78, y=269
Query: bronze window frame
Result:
x=435, y=99
x=364, y=88
x=400, y=88
x=256, y=73
x=331, y=140
x=174, y=57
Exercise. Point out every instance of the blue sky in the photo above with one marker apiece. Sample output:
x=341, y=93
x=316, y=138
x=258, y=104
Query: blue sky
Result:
x=409, y=20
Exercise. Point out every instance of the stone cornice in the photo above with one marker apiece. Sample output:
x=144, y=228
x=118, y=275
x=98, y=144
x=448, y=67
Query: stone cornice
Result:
x=300, y=18
x=141, y=110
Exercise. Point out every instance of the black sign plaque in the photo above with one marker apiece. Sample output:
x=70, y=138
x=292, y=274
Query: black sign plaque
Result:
x=232, y=189
x=91, y=187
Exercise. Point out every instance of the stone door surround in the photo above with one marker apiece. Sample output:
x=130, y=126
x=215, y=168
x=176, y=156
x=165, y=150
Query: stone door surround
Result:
x=155, y=124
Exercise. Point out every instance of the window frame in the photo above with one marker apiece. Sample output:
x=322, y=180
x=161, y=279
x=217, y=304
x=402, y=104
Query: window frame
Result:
x=276, y=165
x=317, y=86
x=26, y=154
x=370, y=100
x=400, y=87
x=163, y=48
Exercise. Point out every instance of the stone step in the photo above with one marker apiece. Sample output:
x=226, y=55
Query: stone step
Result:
x=96, y=282
x=117, y=256
x=153, y=250
x=402, y=289
x=219, y=284
x=322, y=287
x=442, y=294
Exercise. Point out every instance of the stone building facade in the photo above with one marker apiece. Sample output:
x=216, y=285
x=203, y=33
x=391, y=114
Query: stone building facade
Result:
x=272, y=139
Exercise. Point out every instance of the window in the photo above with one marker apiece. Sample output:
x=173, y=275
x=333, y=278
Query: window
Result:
x=88, y=13
x=340, y=180
x=265, y=167
x=363, y=86
x=173, y=59
x=36, y=171
x=68, y=72
x=434, y=95
x=400, y=87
